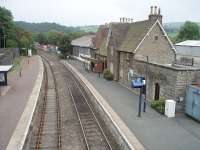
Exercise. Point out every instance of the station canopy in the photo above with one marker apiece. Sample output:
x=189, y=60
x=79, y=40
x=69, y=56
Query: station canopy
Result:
x=5, y=68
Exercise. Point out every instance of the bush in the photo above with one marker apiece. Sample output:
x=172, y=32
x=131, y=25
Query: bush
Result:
x=34, y=50
x=159, y=106
x=107, y=74
x=23, y=52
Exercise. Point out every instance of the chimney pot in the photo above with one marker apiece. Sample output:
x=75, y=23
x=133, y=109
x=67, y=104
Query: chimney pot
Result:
x=151, y=10
x=131, y=20
x=159, y=11
x=155, y=10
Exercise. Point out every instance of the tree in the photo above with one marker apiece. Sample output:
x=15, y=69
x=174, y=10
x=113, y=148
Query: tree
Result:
x=10, y=43
x=6, y=25
x=42, y=38
x=23, y=39
x=54, y=37
x=190, y=31
x=65, y=45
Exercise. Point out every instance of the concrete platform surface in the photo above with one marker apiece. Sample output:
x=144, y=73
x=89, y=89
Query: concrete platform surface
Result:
x=13, y=103
x=154, y=131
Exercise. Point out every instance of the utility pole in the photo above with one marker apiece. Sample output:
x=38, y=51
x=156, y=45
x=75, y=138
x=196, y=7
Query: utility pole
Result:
x=145, y=87
x=4, y=40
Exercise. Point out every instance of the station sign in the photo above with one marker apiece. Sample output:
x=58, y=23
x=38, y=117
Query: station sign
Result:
x=138, y=82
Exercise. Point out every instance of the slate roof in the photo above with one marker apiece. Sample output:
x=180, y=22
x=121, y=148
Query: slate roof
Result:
x=134, y=36
x=100, y=36
x=84, y=41
x=127, y=36
x=100, y=40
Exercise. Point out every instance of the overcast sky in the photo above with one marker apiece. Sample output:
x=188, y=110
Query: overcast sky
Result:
x=94, y=12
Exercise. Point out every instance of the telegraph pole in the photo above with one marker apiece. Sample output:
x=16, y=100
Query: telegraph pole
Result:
x=145, y=87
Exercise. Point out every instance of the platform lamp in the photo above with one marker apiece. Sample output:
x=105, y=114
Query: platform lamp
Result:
x=139, y=83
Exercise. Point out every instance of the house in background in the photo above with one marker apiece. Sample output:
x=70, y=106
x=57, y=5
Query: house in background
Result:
x=83, y=47
x=144, y=49
x=188, y=52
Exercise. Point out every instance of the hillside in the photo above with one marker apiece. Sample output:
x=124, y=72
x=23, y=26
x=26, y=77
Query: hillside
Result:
x=172, y=28
x=92, y=28
x=45, y=27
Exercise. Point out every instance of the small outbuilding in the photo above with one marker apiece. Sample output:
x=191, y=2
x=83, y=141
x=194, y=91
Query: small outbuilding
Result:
x=3, y=74
x=83, y=47
x=188, y=50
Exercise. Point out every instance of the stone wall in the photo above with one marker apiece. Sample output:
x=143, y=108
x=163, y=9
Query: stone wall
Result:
x=75, y=51
x=172, y=81
x=113, y=60
x=156, y=47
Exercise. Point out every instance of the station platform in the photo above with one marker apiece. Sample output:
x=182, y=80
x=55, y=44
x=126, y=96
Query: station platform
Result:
x=153, y=130
x=13, y=102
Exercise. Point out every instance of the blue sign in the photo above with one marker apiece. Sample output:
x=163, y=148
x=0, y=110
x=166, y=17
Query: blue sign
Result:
x=138, y=82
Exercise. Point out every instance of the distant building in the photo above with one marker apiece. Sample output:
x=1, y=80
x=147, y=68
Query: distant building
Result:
x=83, y=47
x=188, y=50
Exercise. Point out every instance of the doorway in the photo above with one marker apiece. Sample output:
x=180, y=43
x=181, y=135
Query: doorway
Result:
x=157, y=91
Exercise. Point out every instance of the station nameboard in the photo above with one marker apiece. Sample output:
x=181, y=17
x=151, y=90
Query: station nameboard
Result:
x=138, y=82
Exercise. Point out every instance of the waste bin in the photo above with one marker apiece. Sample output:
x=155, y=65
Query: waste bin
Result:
x=170, y=106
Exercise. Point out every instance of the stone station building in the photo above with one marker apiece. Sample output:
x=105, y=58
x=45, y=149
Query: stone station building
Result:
x=144, y=49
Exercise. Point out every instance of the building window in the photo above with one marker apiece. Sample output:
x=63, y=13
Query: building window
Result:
x=121, y=73
x=111, y=51
x=111, y=67
x=156, y=37
x=121, y=58
x=127, y=57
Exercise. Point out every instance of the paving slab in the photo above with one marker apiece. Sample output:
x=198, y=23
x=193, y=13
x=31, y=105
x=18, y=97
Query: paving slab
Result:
x=154, y=131
x=12, y=104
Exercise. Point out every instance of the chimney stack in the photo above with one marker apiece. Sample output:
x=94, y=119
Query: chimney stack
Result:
x=155, y=15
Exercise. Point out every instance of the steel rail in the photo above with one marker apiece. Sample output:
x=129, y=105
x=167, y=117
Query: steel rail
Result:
x=43, y=111
x=93, y=114
x=59, y=132
x=101, y=129
x=77, y=113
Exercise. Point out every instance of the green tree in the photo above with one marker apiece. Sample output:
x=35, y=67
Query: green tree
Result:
x=65, y=45
x=42, y=38
x=23, y=39
x=54, y=37
x=6, y=25
x=190, y=31
x=10, y=43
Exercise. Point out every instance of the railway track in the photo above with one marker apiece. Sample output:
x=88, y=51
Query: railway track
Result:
x=49, y=130
x=94, y=136
x=66, y=106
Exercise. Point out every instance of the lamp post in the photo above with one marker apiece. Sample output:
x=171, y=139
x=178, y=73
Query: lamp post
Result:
x=145, y=87
x=139, y=82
